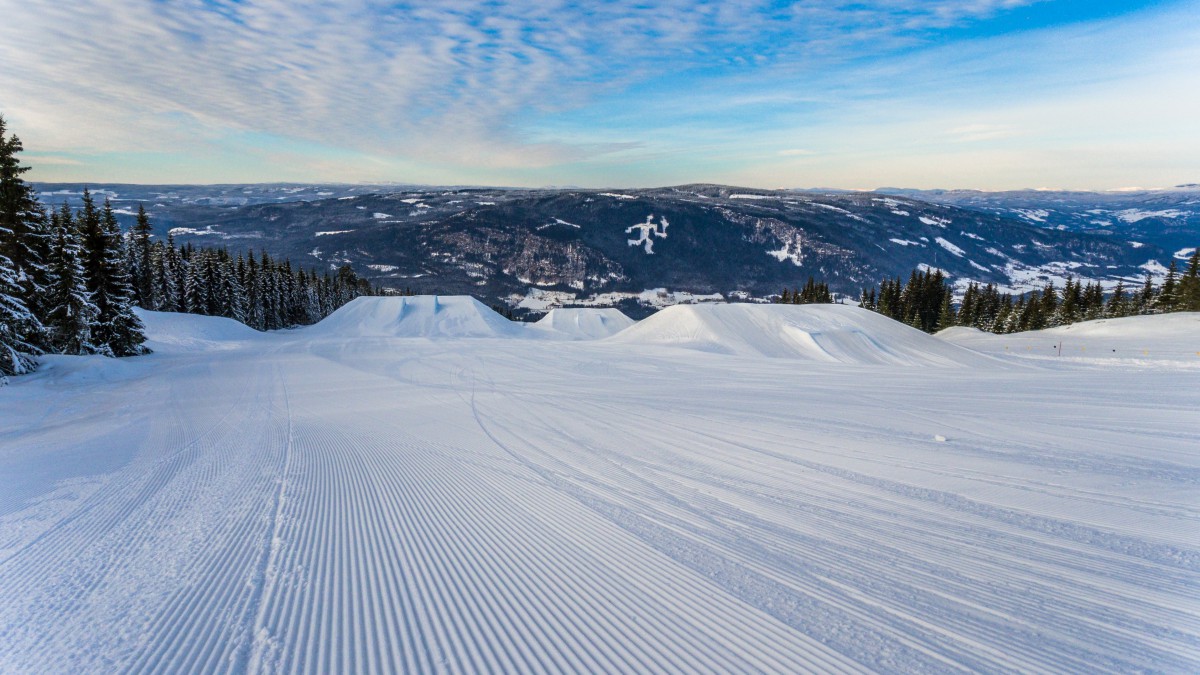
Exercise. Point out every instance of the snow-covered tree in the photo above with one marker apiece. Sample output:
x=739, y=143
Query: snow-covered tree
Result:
x=72, y=312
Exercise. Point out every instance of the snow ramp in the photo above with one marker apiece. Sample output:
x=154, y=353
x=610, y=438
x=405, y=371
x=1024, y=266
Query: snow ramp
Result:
x=428, y=316
x=582, y=323
x=823, y=333
x=1168, y=340
x=174, y=331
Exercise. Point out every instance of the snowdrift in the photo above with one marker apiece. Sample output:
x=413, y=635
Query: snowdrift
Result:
x=1173, y=338
x=826, y=333
x=582, y=323
x=429, y=316
x=171, y=331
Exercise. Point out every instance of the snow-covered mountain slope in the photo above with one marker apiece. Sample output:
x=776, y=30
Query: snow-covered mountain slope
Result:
x=303, y=502
x=824, y=333
x=582, y=323
x=1165, y=340
x=429, y=316
x=586, y=246
x=1167, y=218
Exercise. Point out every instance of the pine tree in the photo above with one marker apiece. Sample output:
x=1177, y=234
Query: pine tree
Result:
x=24, y=242
x=15, y=348
x=140, y=267
x=73, y=314
x=1189, y=285
x=1049, y=305
x=946, y=315
x=1145, y=299
x=118, y=331
x=1117, y=306
x=1168, y=297
x=170, y=285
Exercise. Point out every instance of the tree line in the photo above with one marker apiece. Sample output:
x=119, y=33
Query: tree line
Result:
x=926, y=301
x=813, y=292
x=69, y=280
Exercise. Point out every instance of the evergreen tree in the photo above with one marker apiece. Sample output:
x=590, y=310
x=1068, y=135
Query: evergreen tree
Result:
x=946, y=315
x=117, y=331
x=1117, y=306
x=15, y=348
x=1145, y=299
x=140, y=266
x=73, y=314
x=1167, y=297
x=1189, y=285
x=24, y=242
x=1049, y=305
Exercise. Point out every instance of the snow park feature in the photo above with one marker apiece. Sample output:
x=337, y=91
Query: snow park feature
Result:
x=418, y=485
x=428, y=316
x=818, y=332
x=583, y=323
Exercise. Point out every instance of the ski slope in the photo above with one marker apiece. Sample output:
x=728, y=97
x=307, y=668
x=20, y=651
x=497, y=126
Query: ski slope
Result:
x=1164, y=340
x=360, y=496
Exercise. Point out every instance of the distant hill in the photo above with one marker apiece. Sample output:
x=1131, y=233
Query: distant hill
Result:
x=1167, y=218
x=542, y=248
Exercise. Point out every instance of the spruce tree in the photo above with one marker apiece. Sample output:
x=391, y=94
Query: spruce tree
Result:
x=946, y=316
x=1189, y=285
x=24, y=242
x=1145, y=299
x=1168, y=297
x=141, y=268
x=1117, y=305
x=118, y=331
x=15, y=349
x=72, y=313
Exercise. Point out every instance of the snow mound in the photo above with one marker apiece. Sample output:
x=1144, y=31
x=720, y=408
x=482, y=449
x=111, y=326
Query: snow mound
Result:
x=1163, y=339
x=429, y=316
x=583, y=323
x=826, y=333
x=172, y=331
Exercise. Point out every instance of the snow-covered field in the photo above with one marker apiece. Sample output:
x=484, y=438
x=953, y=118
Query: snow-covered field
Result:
x=715, y=489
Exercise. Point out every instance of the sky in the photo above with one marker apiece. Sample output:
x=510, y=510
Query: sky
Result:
x=982, y=94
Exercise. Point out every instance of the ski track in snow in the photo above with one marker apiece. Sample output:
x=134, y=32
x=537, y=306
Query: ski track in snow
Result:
x=309, y=504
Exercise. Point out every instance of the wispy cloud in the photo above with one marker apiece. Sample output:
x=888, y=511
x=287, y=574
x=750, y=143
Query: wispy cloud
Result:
x=470, y=88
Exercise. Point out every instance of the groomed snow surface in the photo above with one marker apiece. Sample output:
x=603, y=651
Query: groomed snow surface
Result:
x=417, y=485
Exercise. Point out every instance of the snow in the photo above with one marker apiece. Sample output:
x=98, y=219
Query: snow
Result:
x=558, y=221
x=326, y=233
x=1169, y=341
x=1184, y=253
x=838, y=209
x=582, y=323
x=180, y=231
x=647, y=232
x=1135, y=215
x=905, y=242
x=792, y=250
x=383, y=268
x=616, y=195
x=381, y=493
x=1034, y=215
x=426, y=316
x=824, y=333
x=939, y=222
x=381, y=216
x=950, y=246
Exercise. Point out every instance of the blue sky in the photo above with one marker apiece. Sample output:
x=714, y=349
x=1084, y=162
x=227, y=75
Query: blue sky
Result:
x=988, y=94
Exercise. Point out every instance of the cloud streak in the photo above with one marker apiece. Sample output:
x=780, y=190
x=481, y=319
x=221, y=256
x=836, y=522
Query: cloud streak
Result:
x=458, y=88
